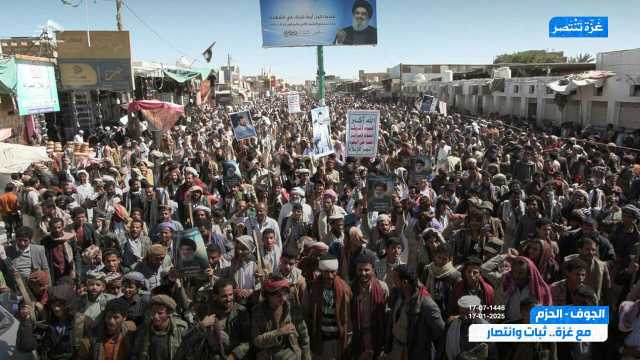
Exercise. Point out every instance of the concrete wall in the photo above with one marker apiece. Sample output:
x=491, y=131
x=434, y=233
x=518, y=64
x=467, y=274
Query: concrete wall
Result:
x=623, y=61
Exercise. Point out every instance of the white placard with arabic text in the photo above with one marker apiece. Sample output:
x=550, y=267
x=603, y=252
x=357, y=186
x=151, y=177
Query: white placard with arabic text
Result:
x=363, y=127
x=294, y=103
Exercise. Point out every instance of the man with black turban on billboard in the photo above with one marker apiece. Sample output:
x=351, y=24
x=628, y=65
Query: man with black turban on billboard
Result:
x=360, y=32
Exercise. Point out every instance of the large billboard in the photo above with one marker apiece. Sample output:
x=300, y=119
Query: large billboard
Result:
x=101, y=63
x=36, y=90
x=318, y=22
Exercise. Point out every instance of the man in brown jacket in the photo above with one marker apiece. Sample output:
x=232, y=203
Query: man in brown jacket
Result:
x=112, y=337
x=327, y=308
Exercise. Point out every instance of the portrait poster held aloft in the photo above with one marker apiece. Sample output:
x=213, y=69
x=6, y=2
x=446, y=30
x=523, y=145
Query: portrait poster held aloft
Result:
x=379, y=192
x=191, y=259
x=429, y=104
x=230, y=173
x=242, y=127
x=321, y=120
x=363, y=128
x=421, y=168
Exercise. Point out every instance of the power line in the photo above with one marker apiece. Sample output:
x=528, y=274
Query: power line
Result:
x=145, y=24
x=153, y=30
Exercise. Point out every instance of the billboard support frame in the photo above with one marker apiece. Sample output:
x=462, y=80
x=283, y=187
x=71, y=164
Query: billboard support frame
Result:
x=320, y=53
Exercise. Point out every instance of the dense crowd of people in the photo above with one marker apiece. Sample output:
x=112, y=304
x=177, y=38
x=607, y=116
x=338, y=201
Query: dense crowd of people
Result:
x=299, y=266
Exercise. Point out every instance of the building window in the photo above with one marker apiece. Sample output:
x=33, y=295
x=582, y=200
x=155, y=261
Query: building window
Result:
x=635, y=90
x=516, y=89
x=598, y=91
x=549, y=91
x=532, y=89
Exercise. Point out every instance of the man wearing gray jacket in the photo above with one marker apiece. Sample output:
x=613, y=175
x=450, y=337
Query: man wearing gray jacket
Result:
x=24, y=257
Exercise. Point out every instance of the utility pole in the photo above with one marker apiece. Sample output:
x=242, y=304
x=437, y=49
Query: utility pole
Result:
x=119, y=14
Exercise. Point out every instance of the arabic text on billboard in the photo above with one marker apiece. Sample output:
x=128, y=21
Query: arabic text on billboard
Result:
x=318, y=22
x=36, y=89
x=105, y=65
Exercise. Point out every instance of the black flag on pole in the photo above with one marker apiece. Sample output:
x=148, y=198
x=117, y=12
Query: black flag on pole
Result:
x=208, y=53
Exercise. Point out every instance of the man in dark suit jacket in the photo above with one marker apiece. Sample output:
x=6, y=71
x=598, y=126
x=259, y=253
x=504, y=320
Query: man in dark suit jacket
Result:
x=293, y=228
x=23, y=257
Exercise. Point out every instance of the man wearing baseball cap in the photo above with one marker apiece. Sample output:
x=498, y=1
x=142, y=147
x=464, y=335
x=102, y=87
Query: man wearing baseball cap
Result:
x=161, y=337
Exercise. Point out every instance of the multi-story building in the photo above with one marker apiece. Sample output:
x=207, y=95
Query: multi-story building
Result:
x=617, y=102
x=372, y=77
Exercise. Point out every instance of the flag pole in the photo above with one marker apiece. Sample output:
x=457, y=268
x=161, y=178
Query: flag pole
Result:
x=86, y=10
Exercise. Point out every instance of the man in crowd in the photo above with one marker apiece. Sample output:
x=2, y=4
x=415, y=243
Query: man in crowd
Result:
x=25, y=257
x=417, y=323
x=278, y=329
x=225, y=330
x=328, y=306
x=9, y=209
x=161, y=337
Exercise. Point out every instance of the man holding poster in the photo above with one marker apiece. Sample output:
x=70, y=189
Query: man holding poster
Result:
x=362, y=133
x=242, y=127
x=321, y=121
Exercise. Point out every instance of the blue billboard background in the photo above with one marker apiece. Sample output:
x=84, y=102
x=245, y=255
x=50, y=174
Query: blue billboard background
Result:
x=306, y=22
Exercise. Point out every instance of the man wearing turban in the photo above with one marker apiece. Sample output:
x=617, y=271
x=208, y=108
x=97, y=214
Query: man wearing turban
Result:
x=360, y=32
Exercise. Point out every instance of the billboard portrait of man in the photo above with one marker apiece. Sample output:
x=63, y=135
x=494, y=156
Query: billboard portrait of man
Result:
x=360, y=32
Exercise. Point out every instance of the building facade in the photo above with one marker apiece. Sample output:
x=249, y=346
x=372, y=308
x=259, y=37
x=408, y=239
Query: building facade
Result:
x=617, y=102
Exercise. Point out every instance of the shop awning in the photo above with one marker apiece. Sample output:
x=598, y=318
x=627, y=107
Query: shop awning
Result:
x=8, y=76
x=572, y=82
x=162, y=115
x=184, y=75
x=16, y=158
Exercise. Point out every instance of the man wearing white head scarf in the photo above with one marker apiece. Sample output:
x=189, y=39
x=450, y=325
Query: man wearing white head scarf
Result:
x=297, y=196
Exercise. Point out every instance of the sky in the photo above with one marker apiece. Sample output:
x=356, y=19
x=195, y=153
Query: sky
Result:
x=409, y=31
